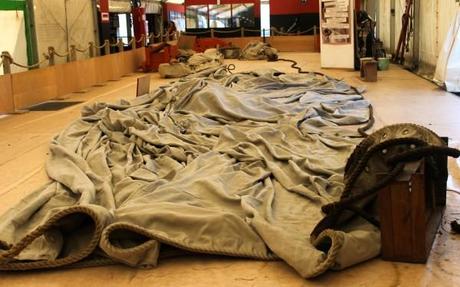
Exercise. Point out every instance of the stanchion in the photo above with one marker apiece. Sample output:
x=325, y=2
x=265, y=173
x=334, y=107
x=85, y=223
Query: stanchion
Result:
x=6, y=59
x=51, y=53
x=133, y=43
x=91, y=49
x=120, y=45
x=242, y=31
x=73, y=53
x=107, y=47
x=212, y=33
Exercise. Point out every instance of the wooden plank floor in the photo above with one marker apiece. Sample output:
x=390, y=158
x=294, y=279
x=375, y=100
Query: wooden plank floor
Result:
x=398, y=96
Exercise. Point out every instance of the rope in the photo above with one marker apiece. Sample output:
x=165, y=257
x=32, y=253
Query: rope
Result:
x=23, y=66
x=83, y=50
x=61, y=55
x=7, y=261
x=299, y=69
x=229, y=68
x=197, y=33
x=102, y=46
x=227, y=32
x=141, y=39
x=276, y=31
x=252, y=30
x=306, y=31
x=421, y=150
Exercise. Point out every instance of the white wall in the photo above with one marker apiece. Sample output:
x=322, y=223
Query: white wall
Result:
x=61, y=23
x=13, y=37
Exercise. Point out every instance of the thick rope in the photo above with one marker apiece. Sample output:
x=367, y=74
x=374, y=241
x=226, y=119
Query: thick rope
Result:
x=24, y=66
x=7, y=261
x=295, y=66
x=102, y=46
x=83, y=50
x=348, y=200
x=227, y=32
x=141, y=39
x=61, y=55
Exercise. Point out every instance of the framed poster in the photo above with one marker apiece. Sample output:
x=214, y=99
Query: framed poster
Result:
x=336, y=30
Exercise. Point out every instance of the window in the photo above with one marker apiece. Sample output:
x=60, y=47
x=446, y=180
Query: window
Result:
x=178, y=19
x=220, y=16
x=243, y=15
x=197, y=17
x=265, y=18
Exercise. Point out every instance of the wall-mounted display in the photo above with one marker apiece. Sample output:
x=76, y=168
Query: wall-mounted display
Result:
x=337, y=33
x=336, y=22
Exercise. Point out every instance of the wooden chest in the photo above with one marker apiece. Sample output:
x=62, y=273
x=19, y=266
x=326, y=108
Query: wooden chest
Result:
x=410, y=212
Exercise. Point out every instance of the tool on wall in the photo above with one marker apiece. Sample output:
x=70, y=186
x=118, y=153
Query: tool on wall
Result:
x=406, y=30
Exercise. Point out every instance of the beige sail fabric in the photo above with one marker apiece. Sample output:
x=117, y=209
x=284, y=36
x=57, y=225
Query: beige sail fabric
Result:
x=231, y=164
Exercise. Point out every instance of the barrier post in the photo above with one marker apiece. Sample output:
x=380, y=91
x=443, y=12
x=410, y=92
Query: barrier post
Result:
x=107, y=47
x=314, y=39
x=91, y=49
x=120, y=45
x=51, y=56
x=242, y=31
x=133, y=43
x=6, y=58
x=212, y=33
x=73, y=53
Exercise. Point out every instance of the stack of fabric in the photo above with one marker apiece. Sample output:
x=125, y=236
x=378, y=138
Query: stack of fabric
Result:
x=230, y=164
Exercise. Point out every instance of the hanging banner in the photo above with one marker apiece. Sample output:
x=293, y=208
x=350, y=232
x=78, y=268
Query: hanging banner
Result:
x=337, y=38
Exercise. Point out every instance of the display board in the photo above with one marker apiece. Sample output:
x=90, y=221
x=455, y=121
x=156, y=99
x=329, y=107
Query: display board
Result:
x=337, y=33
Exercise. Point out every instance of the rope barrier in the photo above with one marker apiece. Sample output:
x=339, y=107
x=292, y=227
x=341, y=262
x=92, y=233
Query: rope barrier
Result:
x=21, y=65
x=276, y=31
x=230, y=31
x=102, y=46
x=83, y=50
x=141, y=39
x=61, y=55
x=252, y=30
x=197, y=33
x=30, y=66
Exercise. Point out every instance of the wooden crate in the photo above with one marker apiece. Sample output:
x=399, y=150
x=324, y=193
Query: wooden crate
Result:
x=410, y=213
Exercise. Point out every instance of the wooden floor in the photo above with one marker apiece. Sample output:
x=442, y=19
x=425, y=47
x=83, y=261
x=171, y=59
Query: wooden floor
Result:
x=398, y=96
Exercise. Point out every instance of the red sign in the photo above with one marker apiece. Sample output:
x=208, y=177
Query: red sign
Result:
x=104, y=9
x=105, y=17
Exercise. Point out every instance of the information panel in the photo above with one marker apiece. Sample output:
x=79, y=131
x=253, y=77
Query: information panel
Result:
x=337, y=41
